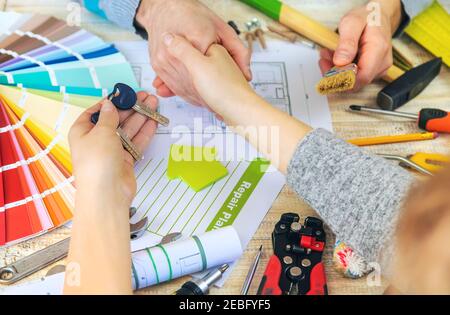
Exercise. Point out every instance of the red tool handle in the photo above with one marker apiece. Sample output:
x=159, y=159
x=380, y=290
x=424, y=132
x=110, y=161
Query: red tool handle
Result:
x=318, y=281
x=271, y=279
x=434, y=120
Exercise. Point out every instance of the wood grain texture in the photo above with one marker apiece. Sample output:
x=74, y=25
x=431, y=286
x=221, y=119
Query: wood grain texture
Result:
x=346, y=125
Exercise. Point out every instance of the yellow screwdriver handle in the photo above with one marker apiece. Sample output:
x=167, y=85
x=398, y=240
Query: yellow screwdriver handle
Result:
x=432, y=162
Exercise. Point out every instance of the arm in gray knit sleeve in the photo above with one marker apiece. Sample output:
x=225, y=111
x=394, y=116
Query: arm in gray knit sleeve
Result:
x=358, y=195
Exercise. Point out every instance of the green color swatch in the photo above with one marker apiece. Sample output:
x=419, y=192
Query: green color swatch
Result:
x=196, y=166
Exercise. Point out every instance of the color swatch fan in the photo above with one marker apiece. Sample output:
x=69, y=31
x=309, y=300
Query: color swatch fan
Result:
x=49, y=73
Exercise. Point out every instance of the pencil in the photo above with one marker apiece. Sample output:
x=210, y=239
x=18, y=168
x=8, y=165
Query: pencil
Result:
x=361, y=142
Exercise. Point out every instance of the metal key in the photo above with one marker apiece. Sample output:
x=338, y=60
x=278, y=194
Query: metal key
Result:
x=126, y=141
x=129, y=145
x=125, y=98
x=53, y=253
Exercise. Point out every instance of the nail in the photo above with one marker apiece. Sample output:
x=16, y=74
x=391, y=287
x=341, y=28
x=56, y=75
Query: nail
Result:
x=107, y=106
x=168, y=38
x=343, y=55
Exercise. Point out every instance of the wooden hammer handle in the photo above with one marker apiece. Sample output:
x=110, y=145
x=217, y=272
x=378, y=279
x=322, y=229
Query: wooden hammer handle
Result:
x=320, y=34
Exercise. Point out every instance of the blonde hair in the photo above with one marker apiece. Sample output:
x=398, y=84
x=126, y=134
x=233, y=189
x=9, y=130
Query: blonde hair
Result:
x=423, y=239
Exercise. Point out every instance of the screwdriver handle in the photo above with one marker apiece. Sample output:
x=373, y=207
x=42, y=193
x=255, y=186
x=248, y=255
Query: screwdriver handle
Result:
x=189, y=288
x=434, y=120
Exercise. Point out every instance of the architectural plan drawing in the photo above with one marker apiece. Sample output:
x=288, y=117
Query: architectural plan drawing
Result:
x=285, y=75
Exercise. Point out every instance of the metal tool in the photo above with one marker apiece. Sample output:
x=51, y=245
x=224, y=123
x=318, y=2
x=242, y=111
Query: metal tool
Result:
x=53, y=253
x=253, y=23
x=407, y=162
x=432, y=162
x=409, y=85
x=126, y=141
x=137, y=229
x=169, y=238
x=430, y=119
x=251, y=35
x=201, y=286
x=125, y=98
x=251, y=273
x=129, y=145
x=296, y=266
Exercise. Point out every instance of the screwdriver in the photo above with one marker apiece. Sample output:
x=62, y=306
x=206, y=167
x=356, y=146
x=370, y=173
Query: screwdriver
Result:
x=430, y=119
x=201, y=286
x=251, y=272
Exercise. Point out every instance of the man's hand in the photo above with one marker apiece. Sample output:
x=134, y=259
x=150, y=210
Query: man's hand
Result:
x=365, y=36
x=201, y=27
x=217, y=66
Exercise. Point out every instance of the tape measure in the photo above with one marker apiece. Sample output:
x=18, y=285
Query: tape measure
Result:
x=431, y=29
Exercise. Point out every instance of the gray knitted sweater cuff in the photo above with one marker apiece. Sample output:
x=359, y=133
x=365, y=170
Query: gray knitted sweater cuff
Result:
x=358, y=195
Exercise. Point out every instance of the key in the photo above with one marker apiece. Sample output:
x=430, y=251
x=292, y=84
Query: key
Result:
x=126, y=141
x=125, y=98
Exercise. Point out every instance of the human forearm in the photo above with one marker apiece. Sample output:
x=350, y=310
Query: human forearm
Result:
x=99, y=257
x=359, y=195
x=100, y=246
x=274, y=133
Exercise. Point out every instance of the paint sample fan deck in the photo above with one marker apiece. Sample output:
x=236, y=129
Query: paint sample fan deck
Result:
x=50, y=73
x=44, y=53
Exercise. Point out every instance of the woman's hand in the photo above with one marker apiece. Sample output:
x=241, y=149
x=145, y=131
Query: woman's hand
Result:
x=201, y=27
x=219, y=81
x=365, y=35
x=101, y=165
x=99, y=259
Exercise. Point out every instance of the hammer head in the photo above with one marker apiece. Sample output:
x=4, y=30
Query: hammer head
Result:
x=409, y=85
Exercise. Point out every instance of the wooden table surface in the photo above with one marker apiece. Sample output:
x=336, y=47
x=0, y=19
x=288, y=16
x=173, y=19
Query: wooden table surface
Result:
x=346, y=125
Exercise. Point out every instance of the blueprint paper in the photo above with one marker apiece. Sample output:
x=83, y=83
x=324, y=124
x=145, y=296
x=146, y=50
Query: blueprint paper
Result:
x=285, y=75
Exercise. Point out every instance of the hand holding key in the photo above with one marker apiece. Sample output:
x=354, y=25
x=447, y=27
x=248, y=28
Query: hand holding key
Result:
x=125, y=98
x=97, y=153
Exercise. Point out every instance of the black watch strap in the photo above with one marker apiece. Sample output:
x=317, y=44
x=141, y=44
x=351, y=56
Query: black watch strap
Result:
x=140, y=30
x=405, y=20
